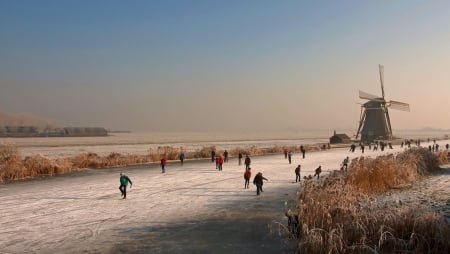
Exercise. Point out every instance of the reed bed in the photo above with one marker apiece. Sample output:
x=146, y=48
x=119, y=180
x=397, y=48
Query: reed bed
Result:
x=341, y=214
x=14, y=167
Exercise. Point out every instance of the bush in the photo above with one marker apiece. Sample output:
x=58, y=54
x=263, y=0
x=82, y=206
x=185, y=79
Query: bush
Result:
x=339, y=215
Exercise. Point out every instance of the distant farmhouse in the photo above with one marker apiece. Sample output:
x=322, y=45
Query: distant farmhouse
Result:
x=339, y=139
x=32, y=131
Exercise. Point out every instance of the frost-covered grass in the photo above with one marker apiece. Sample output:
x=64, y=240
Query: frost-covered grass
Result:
x=14, y=167
x=341, y=215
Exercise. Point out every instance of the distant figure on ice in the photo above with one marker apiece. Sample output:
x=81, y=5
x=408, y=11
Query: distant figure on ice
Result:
x=240, y=158
x=302, y=149
x=247, y=162
x=182, y=158
x=285, y=153
x=345, y=164
x=318, y=171
x=213, y=155
x=290, y=157
x=124, y=180
x=247, y=175
x=225, y=156
x=219, y=162
x=163, y=164
x=297, y=173
x=352, y=148
x=362, y=148
x=258, y=181
x=446, y=146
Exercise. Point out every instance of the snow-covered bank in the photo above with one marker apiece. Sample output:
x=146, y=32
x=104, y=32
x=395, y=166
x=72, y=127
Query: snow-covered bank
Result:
x=186, y=210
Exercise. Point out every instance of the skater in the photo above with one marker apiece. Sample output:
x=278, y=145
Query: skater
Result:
x=285, y=153
x=240, y=158
x=225, y=156
x=258, y=181
x=318, y=171
x=302, y=149
x=345, y=164
x=247, y=175
x=446, y=146
x=124, y=180
x=219, y=161
x=289, y=157
x=213, y=155
x=247, y=162
x=297, y=173
x=163, y=164
x=182, y=158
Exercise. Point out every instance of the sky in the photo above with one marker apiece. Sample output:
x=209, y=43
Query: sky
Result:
x=223, y=65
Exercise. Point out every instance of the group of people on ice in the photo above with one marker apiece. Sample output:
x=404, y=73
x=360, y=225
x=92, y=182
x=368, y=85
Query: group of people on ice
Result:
x=258, y=180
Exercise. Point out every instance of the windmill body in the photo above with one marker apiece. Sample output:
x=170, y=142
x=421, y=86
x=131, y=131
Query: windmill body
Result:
x=375, y=123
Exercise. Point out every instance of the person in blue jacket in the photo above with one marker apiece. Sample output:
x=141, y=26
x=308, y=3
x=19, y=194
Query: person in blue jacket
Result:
x=124, y=180
x=182, y=158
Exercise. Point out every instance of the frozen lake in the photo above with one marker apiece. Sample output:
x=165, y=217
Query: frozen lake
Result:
x=190, y=209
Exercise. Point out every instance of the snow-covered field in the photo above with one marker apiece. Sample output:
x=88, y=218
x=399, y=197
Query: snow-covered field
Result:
x=190, y=209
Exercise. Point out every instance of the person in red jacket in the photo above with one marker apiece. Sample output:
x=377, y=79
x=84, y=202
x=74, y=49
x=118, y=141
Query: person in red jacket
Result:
x=219, y=160
x=163, y=164
x=247, y=175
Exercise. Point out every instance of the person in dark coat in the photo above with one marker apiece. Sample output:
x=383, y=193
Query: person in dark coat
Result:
x=297, y=173
x=124, y=180
x=247, y=162
x=345, y=163
x=225, y=156
x=318, y=171
x=213, y=156
x=240, y=158
x=258, y=181
x=302, y=149
x=290, y=157
x=247, y=175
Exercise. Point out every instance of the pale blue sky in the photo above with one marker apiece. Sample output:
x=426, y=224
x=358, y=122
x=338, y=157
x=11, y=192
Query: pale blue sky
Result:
x=223, y=65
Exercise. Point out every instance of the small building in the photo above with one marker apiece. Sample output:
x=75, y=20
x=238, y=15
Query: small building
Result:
x=339, y=139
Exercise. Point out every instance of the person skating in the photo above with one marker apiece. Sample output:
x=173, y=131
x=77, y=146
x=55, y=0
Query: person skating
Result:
x=124, y=180
x=213, y=155
x=318, y=171
x=258, y=181
x=219, y=162
x=247, y=162
x=182, y=158
x=302, y=149
x=289, y=157
x=163, y=164
x=297, y=173
x=247, y=175
x=240, y=158
x=345, y=163
x=225, y=156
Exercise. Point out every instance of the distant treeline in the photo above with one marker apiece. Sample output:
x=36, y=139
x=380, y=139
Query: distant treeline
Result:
x=33, y=131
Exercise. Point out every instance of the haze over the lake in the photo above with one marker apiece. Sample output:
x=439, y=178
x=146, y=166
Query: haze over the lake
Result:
x=223, y=65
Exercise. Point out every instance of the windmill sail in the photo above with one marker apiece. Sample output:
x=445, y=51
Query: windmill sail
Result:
x=367, y=96
x=381, y=70
x=399, y=105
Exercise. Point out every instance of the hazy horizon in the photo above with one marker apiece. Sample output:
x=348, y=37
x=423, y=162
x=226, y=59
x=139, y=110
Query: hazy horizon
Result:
x=223, y=65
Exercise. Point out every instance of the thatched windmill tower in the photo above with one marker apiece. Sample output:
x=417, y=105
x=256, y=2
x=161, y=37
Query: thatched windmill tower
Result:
x=374, y=121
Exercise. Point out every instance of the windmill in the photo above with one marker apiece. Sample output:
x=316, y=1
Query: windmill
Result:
x=374, y=121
